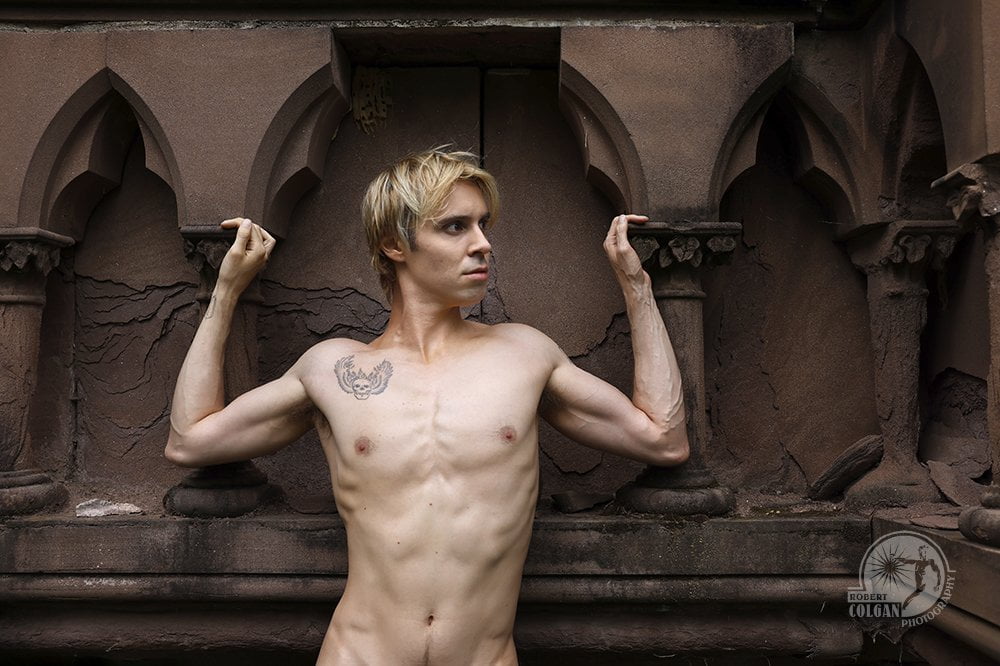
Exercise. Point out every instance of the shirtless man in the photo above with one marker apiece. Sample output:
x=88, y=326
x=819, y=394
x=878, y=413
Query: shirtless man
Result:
x=430, y=430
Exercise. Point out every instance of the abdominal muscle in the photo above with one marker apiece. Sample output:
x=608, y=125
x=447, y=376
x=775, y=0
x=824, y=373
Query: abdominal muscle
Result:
x=434, y=562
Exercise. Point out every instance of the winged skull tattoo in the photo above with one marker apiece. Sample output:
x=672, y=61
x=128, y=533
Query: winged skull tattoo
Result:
x=360, y=384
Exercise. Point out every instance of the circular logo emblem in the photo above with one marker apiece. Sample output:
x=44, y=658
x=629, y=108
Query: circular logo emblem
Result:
x=902, y=575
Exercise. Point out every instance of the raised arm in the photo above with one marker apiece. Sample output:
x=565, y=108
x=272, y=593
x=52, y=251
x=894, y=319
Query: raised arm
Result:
x=203, y=429
x=651, y=426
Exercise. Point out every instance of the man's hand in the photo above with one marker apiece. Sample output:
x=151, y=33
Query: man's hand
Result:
x=248, y=254
x=624, y=260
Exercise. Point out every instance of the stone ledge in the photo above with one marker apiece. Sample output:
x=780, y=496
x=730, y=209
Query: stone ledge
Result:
x=974, y=566
x=317, y=546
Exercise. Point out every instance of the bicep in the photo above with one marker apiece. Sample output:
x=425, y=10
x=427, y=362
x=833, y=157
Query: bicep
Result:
x=592, y=412
x=258, y=422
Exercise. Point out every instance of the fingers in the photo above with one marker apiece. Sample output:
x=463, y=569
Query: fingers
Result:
x=256, y=239
x=269, y=242
x=242, y=236
x=250, y=236
x=621, y=230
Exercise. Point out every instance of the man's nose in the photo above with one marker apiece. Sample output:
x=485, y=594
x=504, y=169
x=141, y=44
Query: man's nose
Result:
x=480, y=244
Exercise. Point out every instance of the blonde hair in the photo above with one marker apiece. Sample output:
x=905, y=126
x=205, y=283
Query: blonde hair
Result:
x=412, y=192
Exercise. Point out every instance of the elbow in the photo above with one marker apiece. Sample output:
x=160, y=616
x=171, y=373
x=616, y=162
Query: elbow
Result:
x=178, y=451
x=673, y=447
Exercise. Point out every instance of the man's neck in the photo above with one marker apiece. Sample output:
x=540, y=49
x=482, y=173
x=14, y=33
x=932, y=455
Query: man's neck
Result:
x=421, y=327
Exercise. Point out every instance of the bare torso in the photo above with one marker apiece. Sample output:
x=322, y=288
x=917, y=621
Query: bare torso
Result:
x=436, y=479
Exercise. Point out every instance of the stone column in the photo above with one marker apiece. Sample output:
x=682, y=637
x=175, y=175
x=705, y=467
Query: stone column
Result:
x=26, y=257
x=895, y=257
x=975, y=201
x=673, y=254
x=232, y=489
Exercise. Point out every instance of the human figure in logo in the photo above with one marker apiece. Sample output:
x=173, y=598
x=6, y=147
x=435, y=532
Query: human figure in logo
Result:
x=919, y=570
x=431, y=429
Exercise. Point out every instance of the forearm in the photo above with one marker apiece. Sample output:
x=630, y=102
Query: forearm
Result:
x=200, y=389
x=657, y=389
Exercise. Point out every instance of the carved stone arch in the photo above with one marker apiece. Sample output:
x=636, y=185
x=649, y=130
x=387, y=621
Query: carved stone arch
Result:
x=292, y=155
x=159, y=156
x=77, y=160
x=914, y=147
x=824, y=145
x=738, y=151
x=612, y=163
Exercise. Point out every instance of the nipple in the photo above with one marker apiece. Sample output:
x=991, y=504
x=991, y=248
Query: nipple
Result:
x=363, y=446
x=508, y=434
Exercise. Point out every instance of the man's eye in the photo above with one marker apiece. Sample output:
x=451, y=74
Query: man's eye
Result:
x=454, y=226
x=482, y=224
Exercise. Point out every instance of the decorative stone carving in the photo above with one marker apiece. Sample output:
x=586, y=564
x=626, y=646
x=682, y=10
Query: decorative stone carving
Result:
x=895, y=256
x=671, y=157
x=245, y=131
x=236, y=488
x=975, y=201
x=26, y=258
x=673, y=253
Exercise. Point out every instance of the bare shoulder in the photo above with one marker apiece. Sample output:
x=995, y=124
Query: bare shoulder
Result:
x=527, y=339
x=328, y=352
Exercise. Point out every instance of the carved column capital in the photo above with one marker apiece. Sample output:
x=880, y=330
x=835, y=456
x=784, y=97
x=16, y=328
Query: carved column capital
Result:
x=663, y=244
x=27, y=255
x=30, y=249
x=904, y=245
x=974, y=192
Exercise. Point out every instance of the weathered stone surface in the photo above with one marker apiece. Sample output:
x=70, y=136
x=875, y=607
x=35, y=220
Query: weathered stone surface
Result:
x=936, y=522
x=135, y=315
x=957, y=332
x=583, y=544
x=847, y=468
x=963, y=68
x=789, y=374
x=39, y=116
x=217, y=133
x=954, y=484
x=668, y=145
x=573, y=501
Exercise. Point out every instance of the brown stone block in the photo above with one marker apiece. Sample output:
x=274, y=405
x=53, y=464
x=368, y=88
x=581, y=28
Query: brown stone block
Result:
x=674, y=101
x=216, y=108
x=958, y=45
x=48, y=81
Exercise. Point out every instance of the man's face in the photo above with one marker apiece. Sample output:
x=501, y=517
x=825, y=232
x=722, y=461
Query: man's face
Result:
x=448, y=260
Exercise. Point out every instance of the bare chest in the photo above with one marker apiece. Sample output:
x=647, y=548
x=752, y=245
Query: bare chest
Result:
x=389, y=419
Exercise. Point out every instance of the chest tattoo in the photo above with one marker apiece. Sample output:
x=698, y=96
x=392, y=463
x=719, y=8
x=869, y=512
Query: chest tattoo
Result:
x=361, y=384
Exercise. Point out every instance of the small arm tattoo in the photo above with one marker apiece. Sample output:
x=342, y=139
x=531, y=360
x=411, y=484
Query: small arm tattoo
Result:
x=358, y=383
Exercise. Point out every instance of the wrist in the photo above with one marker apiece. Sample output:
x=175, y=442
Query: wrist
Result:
x=224, y=296
x=638, y=288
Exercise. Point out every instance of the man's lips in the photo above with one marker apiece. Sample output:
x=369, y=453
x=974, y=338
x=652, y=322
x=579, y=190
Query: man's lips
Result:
x=482, y=273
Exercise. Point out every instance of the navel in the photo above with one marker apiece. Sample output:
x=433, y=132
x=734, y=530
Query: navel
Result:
x=508, y=434
x=430, y=620
x=363, y=446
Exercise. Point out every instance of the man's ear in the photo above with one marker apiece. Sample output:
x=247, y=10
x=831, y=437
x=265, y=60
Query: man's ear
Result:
x=392, y=249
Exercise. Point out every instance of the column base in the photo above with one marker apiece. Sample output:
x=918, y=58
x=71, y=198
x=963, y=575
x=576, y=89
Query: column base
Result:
x=676, y=501
x=26, y=491
x=982, y=523
x=892, y=484
x=219, y=491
